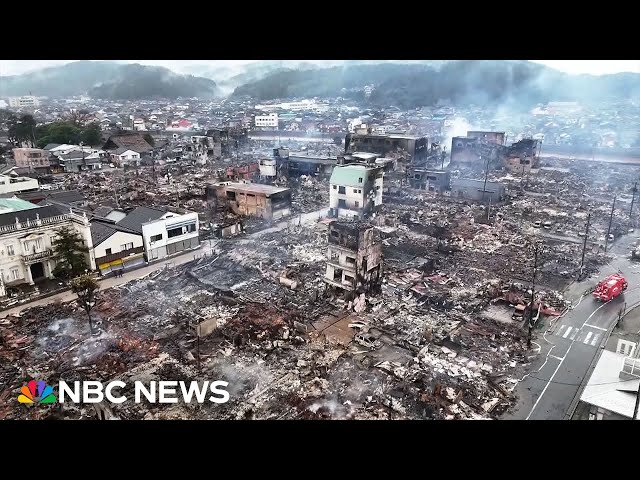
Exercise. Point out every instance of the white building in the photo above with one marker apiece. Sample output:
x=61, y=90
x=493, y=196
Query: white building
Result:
x=268, y=121
x=9, y=184
x=268, y=168
x=25, y=101
x=115, y=247
x=355, y=190
x=27, y=233
x=164, y=233
x=123, y=156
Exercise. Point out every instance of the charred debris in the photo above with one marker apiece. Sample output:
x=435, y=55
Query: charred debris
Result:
x=416, y=312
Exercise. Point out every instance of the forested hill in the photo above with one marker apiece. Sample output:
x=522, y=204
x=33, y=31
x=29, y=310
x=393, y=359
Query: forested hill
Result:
x=108, y=80
x=465, y=81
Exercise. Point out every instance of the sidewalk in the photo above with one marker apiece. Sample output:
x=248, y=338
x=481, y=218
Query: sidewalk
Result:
x=109, y=282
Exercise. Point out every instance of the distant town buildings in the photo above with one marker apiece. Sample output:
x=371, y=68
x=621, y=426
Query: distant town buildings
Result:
x=27, y=101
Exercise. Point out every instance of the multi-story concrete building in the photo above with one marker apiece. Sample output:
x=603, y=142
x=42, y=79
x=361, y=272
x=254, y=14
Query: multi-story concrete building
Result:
x=164, y=232
x=266, y=121
x=354, y=257
x=416, y=147
x=355, y=190
x=26, y=101
x=34, y=158
x=252, y=199
x=27, y=233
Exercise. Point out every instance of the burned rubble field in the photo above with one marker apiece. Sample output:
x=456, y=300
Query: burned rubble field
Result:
x=438, y=341
x=286, y=353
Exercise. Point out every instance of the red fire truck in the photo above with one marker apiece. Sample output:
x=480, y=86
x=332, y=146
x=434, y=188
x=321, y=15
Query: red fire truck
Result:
x=610, y=287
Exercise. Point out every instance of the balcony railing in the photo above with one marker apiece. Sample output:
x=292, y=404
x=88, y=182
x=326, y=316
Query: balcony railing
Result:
x=116, y=256
x=39, y=222
x=630, y=368
x=32, y=257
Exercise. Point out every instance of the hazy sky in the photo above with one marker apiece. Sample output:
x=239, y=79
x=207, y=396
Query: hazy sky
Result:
x=595, y=67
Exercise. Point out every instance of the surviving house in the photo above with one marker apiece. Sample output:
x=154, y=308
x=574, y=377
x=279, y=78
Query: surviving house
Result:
x=252, y=199
x=354, y=257
x=27, y=233
x=355, y=190
x=610, y=393
x=125, y=157
x=121, y=143
x=67, y=198
x=115, y=247
x=78, y=161
x=11, y=184
x=164, y=232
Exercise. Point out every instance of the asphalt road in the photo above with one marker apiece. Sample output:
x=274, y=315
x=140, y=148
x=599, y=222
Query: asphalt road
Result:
x=567, y=348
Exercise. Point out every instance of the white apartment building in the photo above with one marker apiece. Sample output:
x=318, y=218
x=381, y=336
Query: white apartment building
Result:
x=24, y=101
x=26, y=240
x=355, y=190
x=268, y=121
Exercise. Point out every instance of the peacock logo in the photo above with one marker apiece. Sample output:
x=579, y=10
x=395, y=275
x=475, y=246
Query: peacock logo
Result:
x=44, y=393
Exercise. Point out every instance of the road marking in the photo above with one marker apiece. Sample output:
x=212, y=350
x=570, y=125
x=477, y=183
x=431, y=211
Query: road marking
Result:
x=566, y=334
x=594, y=326
x=593, y=342
x=557, y=358
x=573, y=334
x=560, y=364
x=589, y=335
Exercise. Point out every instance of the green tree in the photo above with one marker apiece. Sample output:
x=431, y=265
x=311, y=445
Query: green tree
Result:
x=21, y=129
x=85, y=287
x=70, y=253
x=91, y=135
x=59, y=132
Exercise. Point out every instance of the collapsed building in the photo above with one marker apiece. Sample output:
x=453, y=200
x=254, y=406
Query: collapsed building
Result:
x=354, y=257
x=381, y=144
x=481, y=149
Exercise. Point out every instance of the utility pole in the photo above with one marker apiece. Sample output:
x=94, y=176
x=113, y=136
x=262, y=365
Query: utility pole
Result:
x=584, y=245
x=486, y=174
x=606, y=240
x=533, y=293
x=635, y=409
x=633, y=198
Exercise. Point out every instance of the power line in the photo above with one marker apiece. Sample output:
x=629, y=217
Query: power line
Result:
x=579, y=384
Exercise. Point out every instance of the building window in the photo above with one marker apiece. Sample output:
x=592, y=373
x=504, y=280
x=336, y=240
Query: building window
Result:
x=191, y=228
x=126, y=246
x=174, y=232
x=350, y=260
x=156, y=238
x=107, y=251
x=342, y=190
x=377, y=187
x=334, y=187
x=355, y=190
x=334, y=256
x=10, y=251
x=15, y=274
x=342, y=203
x=359, y=190
x=357, y=204
x=360, y=180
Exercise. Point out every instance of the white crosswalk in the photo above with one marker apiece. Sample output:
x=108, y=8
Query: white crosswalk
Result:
x=585, y=336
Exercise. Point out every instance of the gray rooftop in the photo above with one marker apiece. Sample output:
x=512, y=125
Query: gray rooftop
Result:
x=140, y=215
